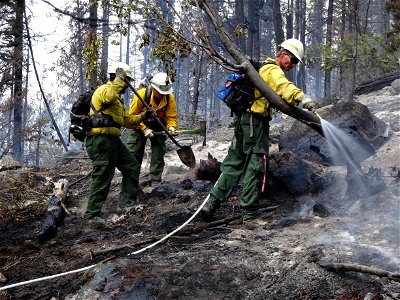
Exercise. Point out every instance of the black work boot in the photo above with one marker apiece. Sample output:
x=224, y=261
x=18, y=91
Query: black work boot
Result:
x=206, y=213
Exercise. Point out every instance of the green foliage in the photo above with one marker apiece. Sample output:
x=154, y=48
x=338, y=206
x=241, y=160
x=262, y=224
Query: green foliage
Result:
x=240, y=31
x=168, y=44
x=393, y=6
x=374, y=54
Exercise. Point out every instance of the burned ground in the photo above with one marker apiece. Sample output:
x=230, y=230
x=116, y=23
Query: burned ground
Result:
x=279, y=256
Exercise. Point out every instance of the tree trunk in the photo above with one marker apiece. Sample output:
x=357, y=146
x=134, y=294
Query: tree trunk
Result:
x=301, y=74
x=239, y=21
x=354, y=18
x=177, y=93
x=127, y=96
x=196, y=82
x=253, y=39
x=25, y=106
x=342, y=31
x=328, y=42
x=38, y=139
x=278, y=22
x=18, y=93
x=104, y=51
x=92, y=38
x=291, y=75
x=80, y=48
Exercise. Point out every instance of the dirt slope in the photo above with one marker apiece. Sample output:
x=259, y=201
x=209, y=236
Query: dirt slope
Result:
x=277, y=257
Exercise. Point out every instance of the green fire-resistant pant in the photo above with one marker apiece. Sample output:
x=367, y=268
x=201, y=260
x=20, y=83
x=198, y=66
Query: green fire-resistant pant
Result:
x=247, y=159
x=107, y=153
x=136, y=145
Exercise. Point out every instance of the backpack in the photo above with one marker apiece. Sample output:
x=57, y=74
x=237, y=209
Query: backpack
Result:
x=238, y=91
x=79, y=116
x=81, y=122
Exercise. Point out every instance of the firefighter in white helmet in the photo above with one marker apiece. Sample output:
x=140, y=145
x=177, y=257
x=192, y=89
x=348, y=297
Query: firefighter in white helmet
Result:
x=248, y=155
x=157, y=92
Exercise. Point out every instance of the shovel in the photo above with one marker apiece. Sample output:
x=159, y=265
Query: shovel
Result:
x=185, y=153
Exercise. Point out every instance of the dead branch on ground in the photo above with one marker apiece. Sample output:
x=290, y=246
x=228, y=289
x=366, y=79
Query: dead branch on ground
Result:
x=362, y=269
x=188, y=231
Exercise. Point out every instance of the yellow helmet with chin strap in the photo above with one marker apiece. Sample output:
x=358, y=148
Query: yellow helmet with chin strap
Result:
x=295, y=47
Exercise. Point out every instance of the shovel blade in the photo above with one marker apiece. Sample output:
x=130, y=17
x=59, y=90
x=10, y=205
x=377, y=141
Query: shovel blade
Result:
x=186, y=155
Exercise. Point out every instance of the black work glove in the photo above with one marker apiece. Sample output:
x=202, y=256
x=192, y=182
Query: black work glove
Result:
x=150, y=113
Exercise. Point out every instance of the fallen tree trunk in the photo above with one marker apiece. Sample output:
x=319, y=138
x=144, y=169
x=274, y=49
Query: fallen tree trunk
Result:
x=55, y=211
x=362, y=269
x=376, y=83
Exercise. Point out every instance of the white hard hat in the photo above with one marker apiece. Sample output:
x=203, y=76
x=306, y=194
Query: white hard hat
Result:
x=295, y=47
x=124, y=66
x=161, y=83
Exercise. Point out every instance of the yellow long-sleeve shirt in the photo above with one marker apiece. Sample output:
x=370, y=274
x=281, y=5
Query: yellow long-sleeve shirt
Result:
x=109, y=95
x=169, y=107
x=274, y=76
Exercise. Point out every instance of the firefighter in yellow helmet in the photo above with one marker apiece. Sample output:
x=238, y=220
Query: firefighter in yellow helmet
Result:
x=158, y=94
x=247, y=158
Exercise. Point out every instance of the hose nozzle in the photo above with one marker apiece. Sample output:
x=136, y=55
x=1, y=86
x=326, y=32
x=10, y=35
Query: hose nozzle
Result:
x=314, y=111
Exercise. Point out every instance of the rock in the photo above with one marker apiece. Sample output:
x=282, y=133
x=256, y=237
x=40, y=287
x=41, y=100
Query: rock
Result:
x=321, y=211
x=3, y=279
x=395, y=87
x=353, y=119
x=8, y=163
x=291, y=170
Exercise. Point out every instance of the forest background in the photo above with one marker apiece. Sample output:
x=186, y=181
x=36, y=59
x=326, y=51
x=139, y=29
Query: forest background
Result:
x=347, y=42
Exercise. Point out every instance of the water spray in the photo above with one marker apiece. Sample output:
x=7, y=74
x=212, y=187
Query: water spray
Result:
x=353, y=166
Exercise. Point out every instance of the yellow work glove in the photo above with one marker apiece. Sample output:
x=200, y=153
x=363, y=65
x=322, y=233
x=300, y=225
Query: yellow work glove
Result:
x=171, y=130
x=148, y=133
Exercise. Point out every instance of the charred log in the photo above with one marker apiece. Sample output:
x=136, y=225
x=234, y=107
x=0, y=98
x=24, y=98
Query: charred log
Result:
x=55, y=211
x=376, y=83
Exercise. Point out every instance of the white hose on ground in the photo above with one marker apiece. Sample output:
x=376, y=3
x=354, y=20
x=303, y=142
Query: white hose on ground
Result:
x=45, y=278
x=172, y=232
x=92, y=266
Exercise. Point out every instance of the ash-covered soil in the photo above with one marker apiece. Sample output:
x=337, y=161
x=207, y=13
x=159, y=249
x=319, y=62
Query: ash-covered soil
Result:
x=281, y=255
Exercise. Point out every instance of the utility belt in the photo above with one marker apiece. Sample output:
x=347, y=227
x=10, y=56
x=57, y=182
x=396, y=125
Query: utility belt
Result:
x=255, y=120
x=104, y=121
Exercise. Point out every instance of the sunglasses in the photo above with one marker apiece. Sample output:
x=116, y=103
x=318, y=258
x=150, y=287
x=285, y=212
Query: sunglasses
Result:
x=293, y=59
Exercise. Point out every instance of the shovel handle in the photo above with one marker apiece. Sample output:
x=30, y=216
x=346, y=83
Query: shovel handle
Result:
x=148, y=108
